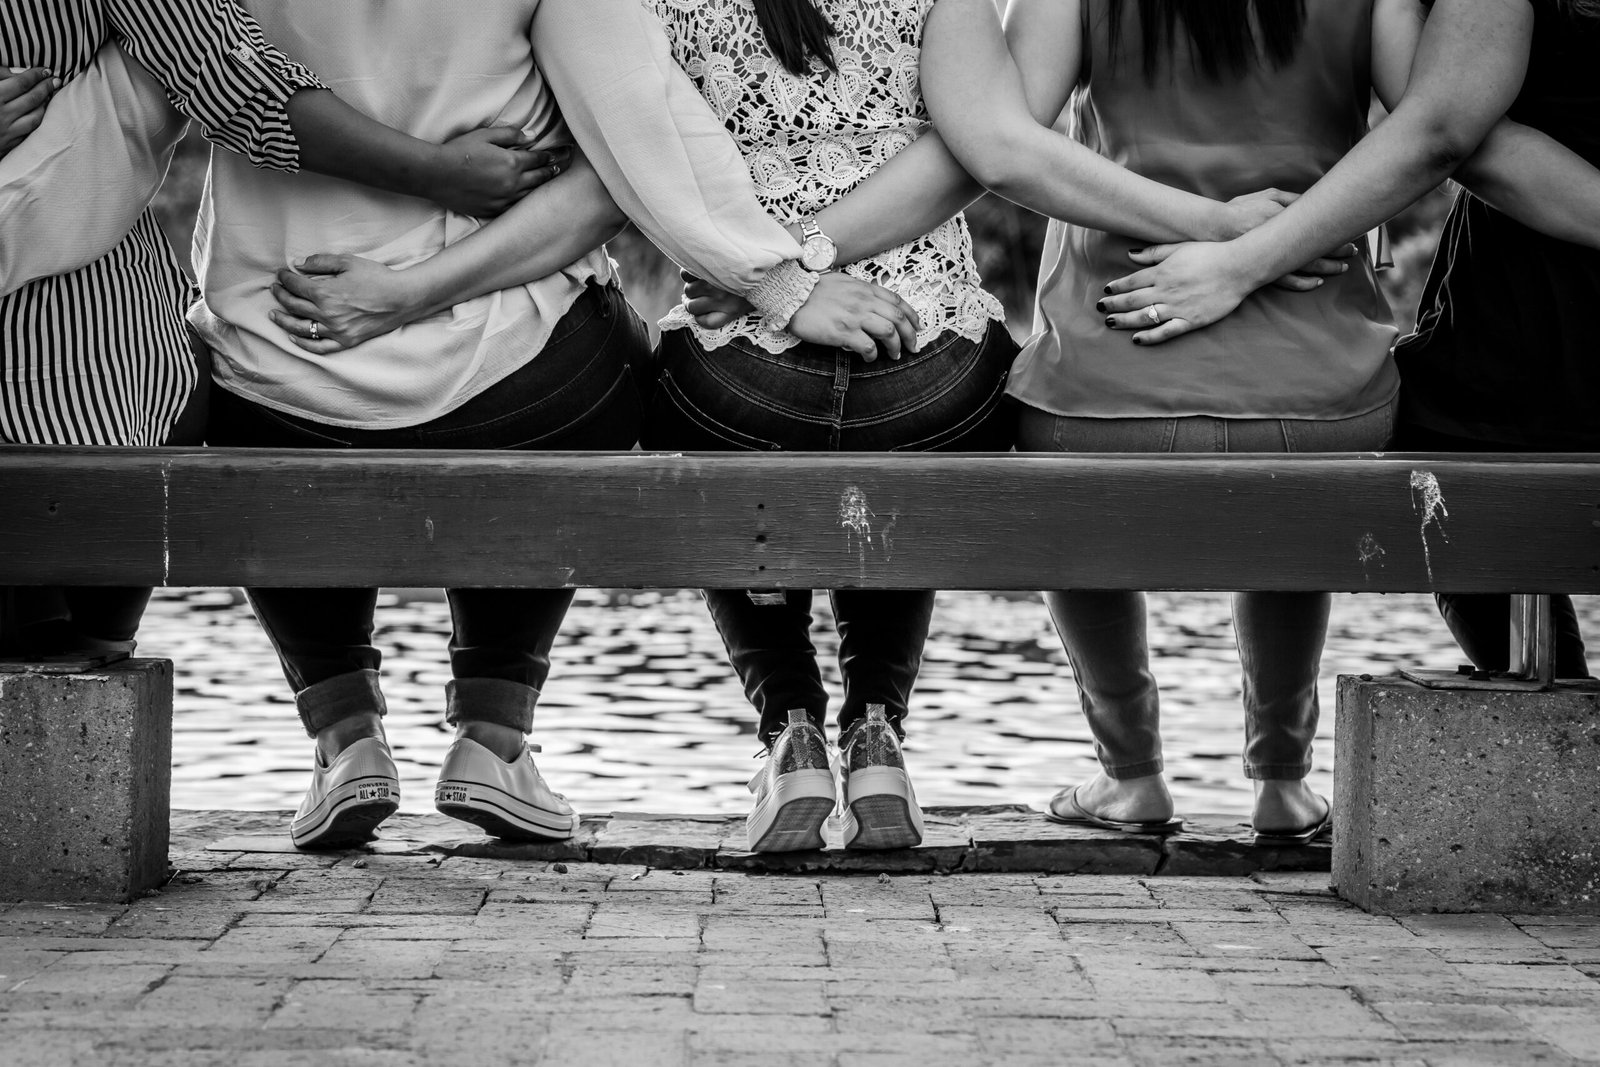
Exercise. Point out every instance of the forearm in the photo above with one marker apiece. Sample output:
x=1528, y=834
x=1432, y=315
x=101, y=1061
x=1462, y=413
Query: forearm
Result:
x=661, y=152
x=1536, y=180
x=1469, y=68
x=911, y=194
x=337, y=140
x=548, y=230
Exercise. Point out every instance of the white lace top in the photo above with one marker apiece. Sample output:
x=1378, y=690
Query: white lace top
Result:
x=808, y=141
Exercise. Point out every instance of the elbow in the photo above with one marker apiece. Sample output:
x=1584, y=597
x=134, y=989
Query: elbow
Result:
x=996, y=163
x=1445, y=142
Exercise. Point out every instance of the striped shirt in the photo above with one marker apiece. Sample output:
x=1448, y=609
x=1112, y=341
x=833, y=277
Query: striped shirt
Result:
x=100, y=355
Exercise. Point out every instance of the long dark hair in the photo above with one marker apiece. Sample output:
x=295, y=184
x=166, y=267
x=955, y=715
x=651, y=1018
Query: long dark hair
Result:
x=1221, y=34
x=796, y=32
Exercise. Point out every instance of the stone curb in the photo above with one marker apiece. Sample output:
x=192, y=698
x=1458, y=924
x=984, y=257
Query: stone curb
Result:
x=1000, y=838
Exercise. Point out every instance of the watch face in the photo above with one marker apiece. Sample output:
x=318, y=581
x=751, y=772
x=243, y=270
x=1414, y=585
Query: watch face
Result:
x=817, y=253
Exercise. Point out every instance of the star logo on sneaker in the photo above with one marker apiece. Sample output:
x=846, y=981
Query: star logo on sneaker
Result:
x=451, y=794
x=374, y=791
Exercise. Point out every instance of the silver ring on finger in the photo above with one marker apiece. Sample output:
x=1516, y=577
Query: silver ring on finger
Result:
x=555, y=170
x=1155, y=316
x=316, y=330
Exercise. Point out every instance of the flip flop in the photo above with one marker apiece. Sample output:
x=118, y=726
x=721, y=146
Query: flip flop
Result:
x=1077, y=815
x=1303, y=836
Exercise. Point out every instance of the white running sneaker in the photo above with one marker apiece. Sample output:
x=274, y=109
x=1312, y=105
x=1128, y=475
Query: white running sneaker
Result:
x=509, y=800
x=879, y=808
x=348, y=797
x=794, y=790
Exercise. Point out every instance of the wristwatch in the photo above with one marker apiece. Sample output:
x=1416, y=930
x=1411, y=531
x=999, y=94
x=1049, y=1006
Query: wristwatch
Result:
x=817, y=250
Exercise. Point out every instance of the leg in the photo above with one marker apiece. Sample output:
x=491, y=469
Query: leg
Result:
x=1481, y=625
x=323, y=638
x=769, y=646
x=1280, y=637
x=881, y=636
x=500, y=659
x=1105, y=638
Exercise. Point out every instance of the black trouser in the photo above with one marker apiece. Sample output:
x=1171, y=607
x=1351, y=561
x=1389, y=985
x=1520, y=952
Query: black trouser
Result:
x=1481, y=622
x=582, y=392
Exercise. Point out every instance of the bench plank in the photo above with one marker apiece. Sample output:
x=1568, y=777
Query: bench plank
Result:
x=208, y=517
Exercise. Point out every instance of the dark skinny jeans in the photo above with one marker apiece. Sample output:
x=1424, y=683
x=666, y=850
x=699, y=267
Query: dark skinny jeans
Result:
x=582, y=392
x=811, y=398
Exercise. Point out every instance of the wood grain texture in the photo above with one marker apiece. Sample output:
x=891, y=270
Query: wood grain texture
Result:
x=310, y=518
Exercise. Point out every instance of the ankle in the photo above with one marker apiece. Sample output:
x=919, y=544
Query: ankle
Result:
x=506, y=742
x=338, y=736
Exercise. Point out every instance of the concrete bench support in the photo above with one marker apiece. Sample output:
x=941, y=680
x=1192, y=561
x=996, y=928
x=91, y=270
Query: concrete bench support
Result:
x=1465, y=800
x=85, y=781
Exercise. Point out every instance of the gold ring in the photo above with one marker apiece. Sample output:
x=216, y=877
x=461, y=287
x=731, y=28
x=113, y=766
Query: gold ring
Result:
x=1155, y=316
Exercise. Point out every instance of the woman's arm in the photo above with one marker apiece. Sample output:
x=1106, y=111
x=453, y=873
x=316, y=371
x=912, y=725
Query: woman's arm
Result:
x=994, y=106
x=217, y=68
x=678, y=175
x=1469, y=68
x=354, y=299
x=23, y=94
x=1531, y=177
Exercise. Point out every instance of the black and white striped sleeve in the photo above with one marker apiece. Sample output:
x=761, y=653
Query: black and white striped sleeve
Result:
x=218, y=69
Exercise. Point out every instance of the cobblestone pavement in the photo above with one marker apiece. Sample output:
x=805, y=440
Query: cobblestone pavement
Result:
x=402, y=959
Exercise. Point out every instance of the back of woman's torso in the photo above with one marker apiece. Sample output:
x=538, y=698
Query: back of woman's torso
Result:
x=428, y=70
x=1507, y=347
x=1323, y=354
x=808, y=140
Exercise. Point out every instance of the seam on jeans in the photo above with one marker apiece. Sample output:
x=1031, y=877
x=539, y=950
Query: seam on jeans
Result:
x=293, y=425
x=764, y=401
x=733, y=438
x=889, y=366
x=590, y=301
x=1286, y=429
x=963, y=373
x=600, y=355
x=574, y=423
x=973, y=421
x=1171, y=430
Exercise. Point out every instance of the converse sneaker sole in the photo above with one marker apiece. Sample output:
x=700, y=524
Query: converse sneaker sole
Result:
x=791, y=816
x=502, y=815
x=348, y=815
x=884, y=810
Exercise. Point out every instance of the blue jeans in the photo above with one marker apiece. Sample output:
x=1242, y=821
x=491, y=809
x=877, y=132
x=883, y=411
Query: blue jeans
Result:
x=948, y=397
x=583, y=392
x=1279, y=635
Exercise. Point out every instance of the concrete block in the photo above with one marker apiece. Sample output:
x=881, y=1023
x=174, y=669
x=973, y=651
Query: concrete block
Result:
x=86, y=768
x=1466, y=800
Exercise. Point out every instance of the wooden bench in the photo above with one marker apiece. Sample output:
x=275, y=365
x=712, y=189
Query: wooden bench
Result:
x=1356, y=523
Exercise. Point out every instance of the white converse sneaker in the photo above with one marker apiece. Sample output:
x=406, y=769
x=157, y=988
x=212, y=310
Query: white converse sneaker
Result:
x=794, y=790
x=879, y=808
x=509, y=800
x=348, y=797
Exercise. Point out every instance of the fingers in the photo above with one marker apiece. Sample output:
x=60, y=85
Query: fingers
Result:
x=1344, y=251
x=504, y=136
x=1131, y=283
x=1146, y=317
x=713, y=320
x=295, y=305
x=1165, y=332
x=1130, y=301
x=305, y=333
x=14, y=86
x=320, y=263
x=702, y=305
x=885, y=332
x=1279, y=196
x=297, y=285
x=1151, y=255
x=1297, y=283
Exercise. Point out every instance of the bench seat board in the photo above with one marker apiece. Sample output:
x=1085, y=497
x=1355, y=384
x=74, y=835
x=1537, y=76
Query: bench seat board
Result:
x=210, y=517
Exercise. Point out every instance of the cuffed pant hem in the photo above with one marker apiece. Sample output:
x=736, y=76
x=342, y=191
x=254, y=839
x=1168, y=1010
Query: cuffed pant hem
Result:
x=1277, y=772
x=338, y=698
x=491, y=700
x=1134, y=770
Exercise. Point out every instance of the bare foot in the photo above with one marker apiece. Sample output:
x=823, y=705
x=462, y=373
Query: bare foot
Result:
x=1143, y=799
x=1286, y=806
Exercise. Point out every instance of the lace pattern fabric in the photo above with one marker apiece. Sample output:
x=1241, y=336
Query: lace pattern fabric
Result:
x=810, y=140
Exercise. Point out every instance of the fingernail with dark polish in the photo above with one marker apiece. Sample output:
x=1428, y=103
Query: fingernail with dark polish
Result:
x=1138, y=341
x=1107, y=289
x=1110, y=321
x=1135, y=251
x=1100, y=306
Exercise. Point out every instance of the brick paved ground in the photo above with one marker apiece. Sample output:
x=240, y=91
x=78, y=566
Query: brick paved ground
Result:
x=416, y=958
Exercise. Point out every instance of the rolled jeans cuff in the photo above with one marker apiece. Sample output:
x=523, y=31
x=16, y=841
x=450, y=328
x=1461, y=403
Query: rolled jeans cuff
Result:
x=340, y=697
x=1277, y=772
x=1134, y=770
x=493, y=700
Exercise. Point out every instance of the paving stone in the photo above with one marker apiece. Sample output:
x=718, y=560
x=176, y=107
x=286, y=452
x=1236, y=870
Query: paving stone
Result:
x=1199, y=1052
x=1130, y=979
x=1443, y=1022
x=1014, y=842
x=1217, y=847
x=1153, y=938
x=1231, y=939
x=659, y=841
x=1574, y=1030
